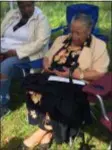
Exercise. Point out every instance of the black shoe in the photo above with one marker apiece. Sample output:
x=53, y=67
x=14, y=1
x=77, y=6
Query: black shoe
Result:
x=44, y=146
x=85, y=147
x=22, y=146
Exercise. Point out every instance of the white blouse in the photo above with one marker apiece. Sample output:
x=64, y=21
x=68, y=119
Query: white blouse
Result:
x=14, y=39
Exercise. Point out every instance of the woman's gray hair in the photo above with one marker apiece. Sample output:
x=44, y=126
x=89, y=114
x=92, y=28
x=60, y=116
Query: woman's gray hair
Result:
x=84, y=18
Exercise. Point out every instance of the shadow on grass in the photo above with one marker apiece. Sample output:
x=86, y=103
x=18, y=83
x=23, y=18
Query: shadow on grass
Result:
x=17, y=94
x=98, y=131
x=13, y=144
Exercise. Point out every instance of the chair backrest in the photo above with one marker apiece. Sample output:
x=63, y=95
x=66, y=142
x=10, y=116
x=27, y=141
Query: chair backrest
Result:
x=92, y=10
x=82, y=8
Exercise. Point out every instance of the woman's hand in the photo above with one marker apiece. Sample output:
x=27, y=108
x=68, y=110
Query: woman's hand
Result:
x=11, y=53
x=76, y=73
x=46, y=63
x=64, y=73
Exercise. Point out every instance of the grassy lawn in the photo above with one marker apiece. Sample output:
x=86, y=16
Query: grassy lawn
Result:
x=14, y=127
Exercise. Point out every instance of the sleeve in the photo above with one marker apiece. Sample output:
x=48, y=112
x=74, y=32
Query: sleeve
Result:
x=101, y=62
x=6, y=20
x=50, y=53
x=42, y=39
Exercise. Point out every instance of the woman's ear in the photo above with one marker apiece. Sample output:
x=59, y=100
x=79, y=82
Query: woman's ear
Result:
x=89, y=33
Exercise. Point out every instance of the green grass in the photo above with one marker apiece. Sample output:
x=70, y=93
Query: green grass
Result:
x=14, y=126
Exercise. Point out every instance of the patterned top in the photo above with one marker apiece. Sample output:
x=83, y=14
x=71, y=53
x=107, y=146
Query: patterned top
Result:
x=67, y=56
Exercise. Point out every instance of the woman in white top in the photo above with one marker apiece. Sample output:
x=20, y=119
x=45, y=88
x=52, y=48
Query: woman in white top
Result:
x=25, y=35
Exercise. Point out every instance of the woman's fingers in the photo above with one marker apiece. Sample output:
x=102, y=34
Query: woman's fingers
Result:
x=64, y=73
x=57, y=72
x=66, y=69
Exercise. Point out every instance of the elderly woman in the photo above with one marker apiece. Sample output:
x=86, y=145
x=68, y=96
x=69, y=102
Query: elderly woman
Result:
x=59, y=108
x=25, y=35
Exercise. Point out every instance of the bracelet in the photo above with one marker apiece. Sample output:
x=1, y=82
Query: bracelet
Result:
x=81, y=74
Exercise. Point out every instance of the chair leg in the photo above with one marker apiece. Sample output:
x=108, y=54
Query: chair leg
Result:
x=70, y=141
x=104, y=113
x=110, y=146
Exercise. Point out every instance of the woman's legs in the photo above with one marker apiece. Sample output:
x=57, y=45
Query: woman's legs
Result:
x=47, y=138
x=40, y=136
x=44, y=134
x=6, y=73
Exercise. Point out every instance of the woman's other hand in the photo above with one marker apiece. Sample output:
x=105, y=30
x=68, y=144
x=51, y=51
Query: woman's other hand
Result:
x=46, y=63
x=64, y=73
x=76, y=73
x=10, y=53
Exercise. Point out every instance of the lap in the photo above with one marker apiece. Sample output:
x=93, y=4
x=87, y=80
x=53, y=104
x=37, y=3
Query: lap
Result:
x=62, y=100
x=65, y=103
x=7, y=64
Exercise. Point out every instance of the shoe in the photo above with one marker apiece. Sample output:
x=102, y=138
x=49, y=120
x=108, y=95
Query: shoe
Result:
x=22, y=146
x=44, y=146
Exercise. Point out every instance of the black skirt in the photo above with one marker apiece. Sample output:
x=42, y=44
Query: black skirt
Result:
x=65, y=103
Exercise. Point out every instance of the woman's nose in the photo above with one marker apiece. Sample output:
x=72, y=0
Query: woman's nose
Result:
x=75, y=36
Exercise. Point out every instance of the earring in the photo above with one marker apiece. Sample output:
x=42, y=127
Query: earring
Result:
x=88, y=36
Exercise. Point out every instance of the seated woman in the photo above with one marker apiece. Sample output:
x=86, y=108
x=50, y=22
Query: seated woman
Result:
x=25, y=35
x=59, y=108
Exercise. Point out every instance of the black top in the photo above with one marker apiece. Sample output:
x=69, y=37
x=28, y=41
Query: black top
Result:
x=21, y=23
x=66, y=57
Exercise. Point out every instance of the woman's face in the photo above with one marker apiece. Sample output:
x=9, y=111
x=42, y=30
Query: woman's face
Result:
x=79, y=32
x=26, y=8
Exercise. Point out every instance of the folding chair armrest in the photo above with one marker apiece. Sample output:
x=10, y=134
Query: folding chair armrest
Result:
x=24, y=67
x=36, y=64
x=94, y=89
x=102, y=86
x=31, y=64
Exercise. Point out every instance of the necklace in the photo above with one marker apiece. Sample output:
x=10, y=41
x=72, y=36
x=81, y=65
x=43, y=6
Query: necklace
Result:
x=73, y=49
